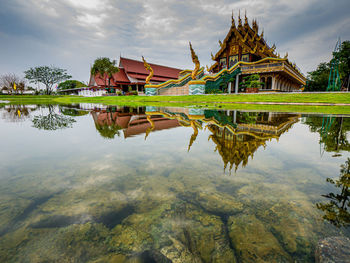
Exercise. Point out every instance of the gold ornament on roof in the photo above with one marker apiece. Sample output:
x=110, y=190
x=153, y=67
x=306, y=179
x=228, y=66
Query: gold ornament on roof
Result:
x=286, y=56
x=195, y=60
x=148, y=68
x=233, y=20
x=220, y=43
x=212, y=56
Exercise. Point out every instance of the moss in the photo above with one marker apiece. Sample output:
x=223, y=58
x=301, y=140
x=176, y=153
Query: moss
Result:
x=253, y=242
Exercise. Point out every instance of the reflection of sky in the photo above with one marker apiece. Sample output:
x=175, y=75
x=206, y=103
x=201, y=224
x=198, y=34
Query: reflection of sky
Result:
x=294, y=159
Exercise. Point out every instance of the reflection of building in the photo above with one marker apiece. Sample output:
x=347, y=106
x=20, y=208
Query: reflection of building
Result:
x=237, y=135
x=236, y=145
x=130, y=121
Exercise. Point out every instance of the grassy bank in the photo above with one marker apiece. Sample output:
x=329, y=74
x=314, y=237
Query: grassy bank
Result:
x=208, y=101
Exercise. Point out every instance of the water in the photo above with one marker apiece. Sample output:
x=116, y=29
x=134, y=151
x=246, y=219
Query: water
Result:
x=89, y=183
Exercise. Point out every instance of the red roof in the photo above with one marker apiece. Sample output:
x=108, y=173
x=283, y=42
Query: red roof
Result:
x=136, y=70
x=134, y=66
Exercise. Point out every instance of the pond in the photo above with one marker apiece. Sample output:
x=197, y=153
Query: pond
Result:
x=94, y=183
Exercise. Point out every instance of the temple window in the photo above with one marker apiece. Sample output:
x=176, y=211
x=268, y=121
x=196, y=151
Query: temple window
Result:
x=233, y=60
x=223, y=63
x=245, y=57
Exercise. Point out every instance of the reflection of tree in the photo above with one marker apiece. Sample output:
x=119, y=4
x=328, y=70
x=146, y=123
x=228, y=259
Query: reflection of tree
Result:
x=52, y=121
x=16, y=113
x=107, y=127
x=332, y=132
x=73, y=112
x=337, y=209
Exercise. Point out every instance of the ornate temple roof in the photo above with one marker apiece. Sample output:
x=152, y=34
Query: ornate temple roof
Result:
x=248, y=37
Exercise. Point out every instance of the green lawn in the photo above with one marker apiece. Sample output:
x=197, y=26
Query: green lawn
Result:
x=208, y=101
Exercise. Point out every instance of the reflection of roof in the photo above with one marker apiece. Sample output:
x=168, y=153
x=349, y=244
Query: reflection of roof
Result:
x=140, y=126
x=133, y=124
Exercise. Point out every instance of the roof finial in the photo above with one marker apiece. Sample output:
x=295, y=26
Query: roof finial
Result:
x=233, y=20
x=245, y=18
x=239, y=18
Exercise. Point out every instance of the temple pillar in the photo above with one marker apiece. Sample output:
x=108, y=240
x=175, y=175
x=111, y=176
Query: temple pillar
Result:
x=237, y=83
x=273, y=83
x=229, y=87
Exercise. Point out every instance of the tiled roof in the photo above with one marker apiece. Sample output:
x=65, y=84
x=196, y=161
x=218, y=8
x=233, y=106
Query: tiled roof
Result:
x=117, y=78
x=136, y=70
x=135, y=66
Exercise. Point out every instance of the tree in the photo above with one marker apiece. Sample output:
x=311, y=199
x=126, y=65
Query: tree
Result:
x=317, y=80
x=70, y=84
x=105, y=68
x=344, y=63
x=252, y=81
x=47, y=76
x=7, y=82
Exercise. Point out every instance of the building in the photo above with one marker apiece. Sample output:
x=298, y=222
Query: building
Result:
x=244, y=43
x=132, y=76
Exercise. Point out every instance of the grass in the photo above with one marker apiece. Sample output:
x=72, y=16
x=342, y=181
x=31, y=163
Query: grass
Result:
x=208, y=101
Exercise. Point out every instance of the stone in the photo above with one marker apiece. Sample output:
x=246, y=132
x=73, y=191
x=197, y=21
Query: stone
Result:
x=333, y=250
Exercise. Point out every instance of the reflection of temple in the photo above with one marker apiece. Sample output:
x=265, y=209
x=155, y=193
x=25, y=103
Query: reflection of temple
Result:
x=237, y=135
x=236, y=145
x=131, y=121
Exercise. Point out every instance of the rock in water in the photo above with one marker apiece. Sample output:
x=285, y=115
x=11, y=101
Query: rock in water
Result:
x=333, y=250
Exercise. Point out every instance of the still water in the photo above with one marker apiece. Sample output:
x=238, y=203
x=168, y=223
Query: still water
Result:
x=89, y=183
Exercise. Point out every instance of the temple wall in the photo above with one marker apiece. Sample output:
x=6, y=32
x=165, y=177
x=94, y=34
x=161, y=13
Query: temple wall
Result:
x=184, y=90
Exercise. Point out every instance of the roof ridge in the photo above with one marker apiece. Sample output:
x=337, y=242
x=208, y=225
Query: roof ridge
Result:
x=150, y=63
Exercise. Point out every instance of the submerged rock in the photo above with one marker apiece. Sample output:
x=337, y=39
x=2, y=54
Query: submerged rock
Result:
x=253, y=242
x=333, y=250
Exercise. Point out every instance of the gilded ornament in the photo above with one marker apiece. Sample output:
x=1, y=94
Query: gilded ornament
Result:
x=148, y=68
x=195, y=60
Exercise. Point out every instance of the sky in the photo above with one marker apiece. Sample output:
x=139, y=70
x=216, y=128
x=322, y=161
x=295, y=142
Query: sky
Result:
x=71, y=34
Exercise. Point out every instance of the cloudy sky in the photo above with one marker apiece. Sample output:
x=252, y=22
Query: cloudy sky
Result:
x=72, y=33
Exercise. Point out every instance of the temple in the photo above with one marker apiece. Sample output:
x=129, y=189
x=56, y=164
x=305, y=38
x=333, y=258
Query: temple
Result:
x=131, y=77
x=243, y=53
x=244, y=43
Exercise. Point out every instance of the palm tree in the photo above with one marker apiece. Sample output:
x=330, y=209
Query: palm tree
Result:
x=105, y=68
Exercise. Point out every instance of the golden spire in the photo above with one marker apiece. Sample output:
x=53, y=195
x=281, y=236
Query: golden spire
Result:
x=233, y=20
x=195, y=60
x=239, y=19
x=246, y=24
x=148, y=68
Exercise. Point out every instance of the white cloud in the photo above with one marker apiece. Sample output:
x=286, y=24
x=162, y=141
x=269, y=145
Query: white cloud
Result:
x=161, y=30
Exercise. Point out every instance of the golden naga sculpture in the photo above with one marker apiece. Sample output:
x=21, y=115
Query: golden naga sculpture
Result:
x=150, y=129
x=194, y=135
x=195, y=60
x=208, y=69
x=148, y=68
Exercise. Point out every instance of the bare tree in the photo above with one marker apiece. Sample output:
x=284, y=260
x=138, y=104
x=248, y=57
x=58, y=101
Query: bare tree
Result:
x=8, y=80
